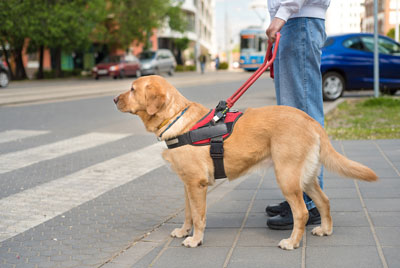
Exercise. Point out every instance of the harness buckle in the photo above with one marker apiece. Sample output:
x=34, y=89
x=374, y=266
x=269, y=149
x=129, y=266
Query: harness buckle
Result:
x=220, y=111
x=217, y=147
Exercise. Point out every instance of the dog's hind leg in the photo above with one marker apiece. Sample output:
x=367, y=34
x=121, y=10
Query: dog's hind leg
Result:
x=310, y=185
x=313, y=190
x=187, y=225
x=289, y=182
x=197, y=192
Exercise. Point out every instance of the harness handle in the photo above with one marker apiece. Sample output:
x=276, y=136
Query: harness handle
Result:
x=268, y=60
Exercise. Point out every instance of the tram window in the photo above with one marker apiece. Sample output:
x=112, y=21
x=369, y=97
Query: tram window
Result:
x=261, y=43
x=247, y=41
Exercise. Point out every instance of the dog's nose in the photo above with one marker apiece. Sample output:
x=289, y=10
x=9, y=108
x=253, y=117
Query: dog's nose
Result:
x=116, y=99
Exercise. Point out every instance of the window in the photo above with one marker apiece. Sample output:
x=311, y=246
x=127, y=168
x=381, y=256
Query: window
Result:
x=190, y=18
x=147, y=55
x=385, y=46
x=247, y=41
x=261, y=43
x=354, y=43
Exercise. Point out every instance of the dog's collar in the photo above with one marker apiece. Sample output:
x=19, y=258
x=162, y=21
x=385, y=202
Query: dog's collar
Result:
x=173, y=122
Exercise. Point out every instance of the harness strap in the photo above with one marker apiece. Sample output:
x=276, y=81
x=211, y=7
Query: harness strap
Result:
x=217, y=155
x=213, y=134
x=199, y=134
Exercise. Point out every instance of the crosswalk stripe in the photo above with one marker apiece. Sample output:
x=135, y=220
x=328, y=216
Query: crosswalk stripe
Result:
x=20, y=159
x=17, y=134
x=27, y=209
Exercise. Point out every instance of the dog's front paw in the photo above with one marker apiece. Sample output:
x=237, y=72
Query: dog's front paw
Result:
x=180, y=232
x=191, y=243
x=318, y=231
x=287, y=244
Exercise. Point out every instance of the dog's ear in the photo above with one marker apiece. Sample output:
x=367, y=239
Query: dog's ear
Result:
x=155, y=98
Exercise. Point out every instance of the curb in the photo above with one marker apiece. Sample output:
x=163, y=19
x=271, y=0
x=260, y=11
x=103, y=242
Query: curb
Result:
x=332, y=105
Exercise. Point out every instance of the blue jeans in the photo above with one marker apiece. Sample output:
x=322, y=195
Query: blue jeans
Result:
x=202, y=66
x=298, y=80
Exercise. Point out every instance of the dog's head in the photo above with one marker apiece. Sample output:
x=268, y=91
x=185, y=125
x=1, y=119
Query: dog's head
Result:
x=147, y=94
x=152, y=98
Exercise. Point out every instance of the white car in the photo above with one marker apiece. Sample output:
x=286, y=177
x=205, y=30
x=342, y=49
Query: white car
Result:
x=4, y=75
x=157, y=62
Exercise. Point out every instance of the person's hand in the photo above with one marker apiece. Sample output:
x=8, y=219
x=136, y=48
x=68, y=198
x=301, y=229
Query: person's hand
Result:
x=275, y=26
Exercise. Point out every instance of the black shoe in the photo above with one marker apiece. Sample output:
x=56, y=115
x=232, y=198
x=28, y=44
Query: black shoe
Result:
x=276, y=209
x=284, y=221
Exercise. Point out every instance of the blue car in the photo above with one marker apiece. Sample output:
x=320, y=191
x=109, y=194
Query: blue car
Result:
x=347, y=63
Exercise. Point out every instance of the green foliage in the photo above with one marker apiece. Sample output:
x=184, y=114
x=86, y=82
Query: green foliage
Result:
x=65, y=24
x=391, y=33
x=375, y=118
x=185, y=68
x=16, y=21
x=51, y=74
x=223, y=66
x=176, y=18
x=71, y=25
x=129, y=20
x=15, y=26
x=182, y=43
x=381, y=102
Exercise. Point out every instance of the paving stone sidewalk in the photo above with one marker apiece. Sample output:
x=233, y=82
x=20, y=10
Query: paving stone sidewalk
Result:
x=366, y=220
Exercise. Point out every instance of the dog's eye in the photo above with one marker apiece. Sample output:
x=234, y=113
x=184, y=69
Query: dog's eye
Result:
x=132, y=89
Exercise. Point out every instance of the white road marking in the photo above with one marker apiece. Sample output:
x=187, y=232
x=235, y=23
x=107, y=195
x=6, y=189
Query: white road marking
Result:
x=27, y=209
x=20, y=159
x=12, y=135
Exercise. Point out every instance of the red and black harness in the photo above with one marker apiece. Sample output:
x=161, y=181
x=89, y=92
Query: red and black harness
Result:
x=208, y=132
x=218, y=124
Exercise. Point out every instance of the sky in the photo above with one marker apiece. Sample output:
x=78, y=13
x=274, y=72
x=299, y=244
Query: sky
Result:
x=239, y=16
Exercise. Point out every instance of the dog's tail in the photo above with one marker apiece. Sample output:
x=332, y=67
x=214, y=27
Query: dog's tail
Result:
x=340, y=164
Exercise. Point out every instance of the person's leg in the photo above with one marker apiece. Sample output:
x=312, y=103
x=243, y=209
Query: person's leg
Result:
x=298, y=81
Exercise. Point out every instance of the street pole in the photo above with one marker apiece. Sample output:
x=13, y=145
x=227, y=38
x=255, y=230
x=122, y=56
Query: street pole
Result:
x=197, y=48
x=376, y=52
x=396, y=29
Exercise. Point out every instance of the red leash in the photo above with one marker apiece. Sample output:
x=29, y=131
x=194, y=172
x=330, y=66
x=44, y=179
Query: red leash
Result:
x=223, y=106
x=269, y=59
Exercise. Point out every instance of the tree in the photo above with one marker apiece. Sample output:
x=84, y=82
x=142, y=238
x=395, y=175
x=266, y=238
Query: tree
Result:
x=65, y=26
x=129, y=20
x=15, y=26
x=391, y=33
x=181, y=44
x=58, y=24
x=69, y=25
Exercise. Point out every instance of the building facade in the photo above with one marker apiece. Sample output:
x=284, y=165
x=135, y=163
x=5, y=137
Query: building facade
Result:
x=388, y=15
x=344, y=16
x=200, y=15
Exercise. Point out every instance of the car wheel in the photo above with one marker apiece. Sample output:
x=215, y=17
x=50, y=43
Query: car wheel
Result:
x=171, y=71
x=333, y=86
x=96, y=77
x=157, y=71
x=121, y=74
x=4, y=80
x=138, y=73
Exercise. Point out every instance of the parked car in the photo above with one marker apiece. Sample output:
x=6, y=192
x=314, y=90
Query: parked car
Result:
x=347, y=63
x=118, y=66
x=157, y=62
x=4, y=74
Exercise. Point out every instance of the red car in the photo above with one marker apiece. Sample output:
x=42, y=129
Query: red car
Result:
x=118, y=66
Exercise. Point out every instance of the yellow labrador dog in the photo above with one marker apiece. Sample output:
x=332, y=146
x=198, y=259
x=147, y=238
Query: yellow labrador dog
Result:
x=296, y=144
